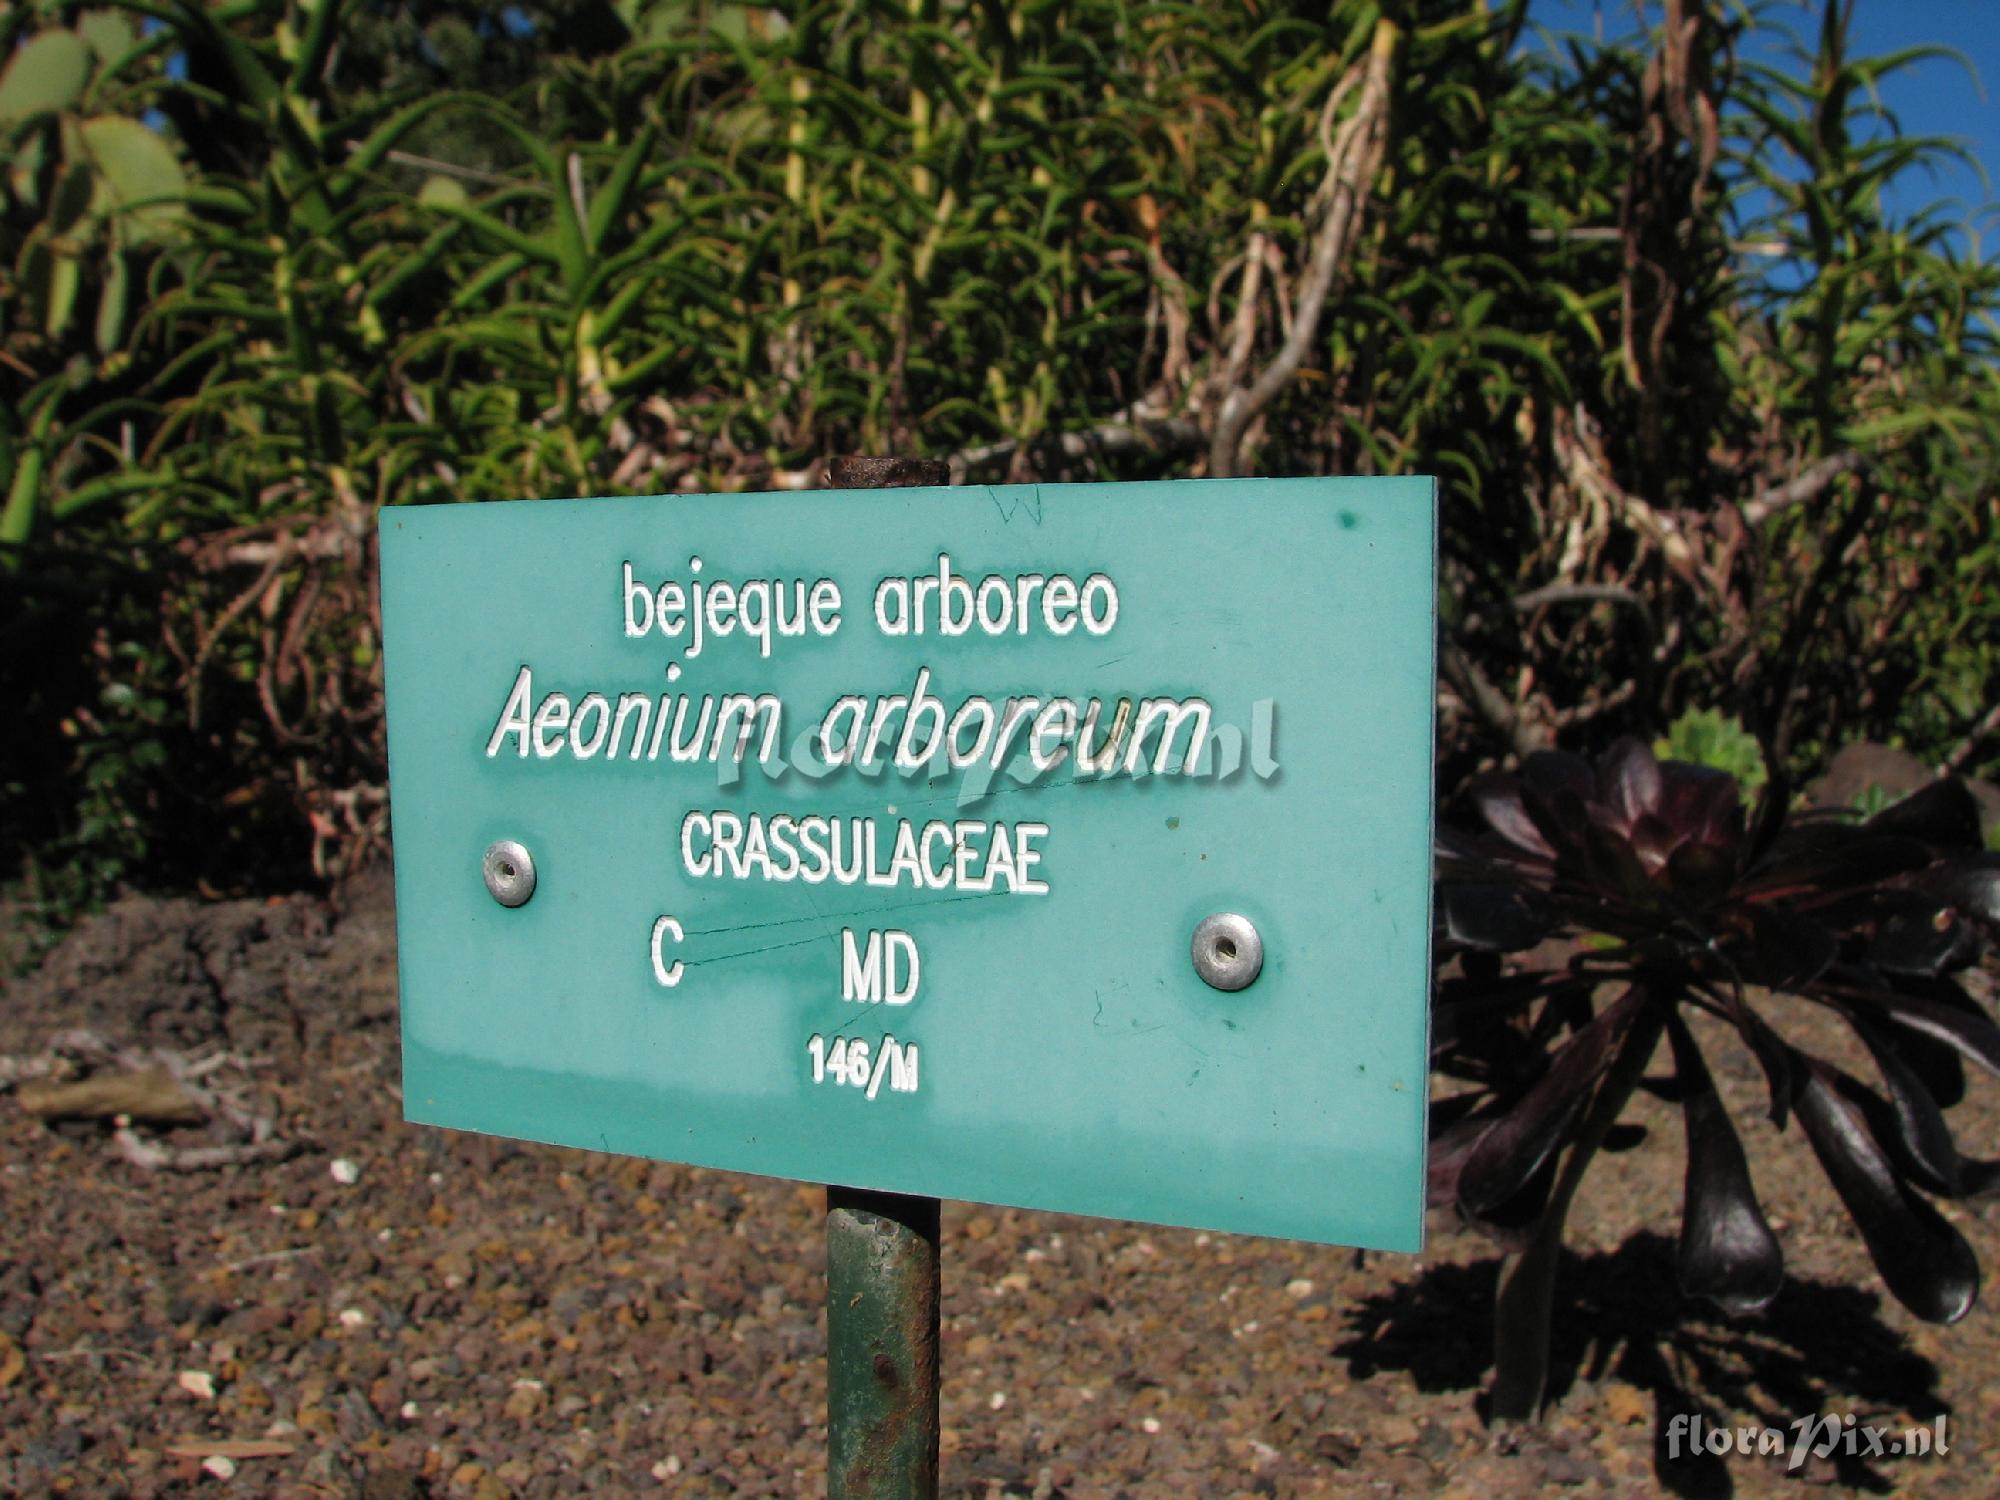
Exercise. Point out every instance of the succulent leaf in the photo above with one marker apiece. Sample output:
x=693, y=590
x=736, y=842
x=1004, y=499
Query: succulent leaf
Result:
x=1972, y=886
x=1629, y=780
x=1607, y=863
x=1523, y=1139
x=143, y=179
x=1706, y=804
x=1498, y=799
x=1928, y=941
x=1772, y=1055
x=1827, y=857
x=1924, y=1262
x=1936, y=1064
x=1728, y=1252
x=1700, y=874
x=109, y=34
x=1493, y=916
x=45, y=76
x=1943, y=814
x=1909, y=1125
x=1782, y=949
x=1944, y=1013
x=1445, y=1160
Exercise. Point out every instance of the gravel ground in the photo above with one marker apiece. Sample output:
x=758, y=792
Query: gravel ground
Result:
x=396, y=1311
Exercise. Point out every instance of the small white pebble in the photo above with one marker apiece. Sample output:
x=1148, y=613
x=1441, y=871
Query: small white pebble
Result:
x=667, y=1467
x=526, y=1384
x=1151, y=1424
x=998, y=1400
x=1200, y=1240
x=345, y=1170
x=197, y=1383
x=221, y=1466
x=1298, y=1289
x=386, y=1235
x=278, y=1208
x=352, y=1317
x=436, y=1178
x=408, y=1411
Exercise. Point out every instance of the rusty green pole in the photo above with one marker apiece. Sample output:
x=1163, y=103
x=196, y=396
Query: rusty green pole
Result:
x=881, y=1265
x=881, y=1345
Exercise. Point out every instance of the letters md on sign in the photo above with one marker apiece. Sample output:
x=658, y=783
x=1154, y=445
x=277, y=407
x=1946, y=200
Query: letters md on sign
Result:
x=1063, y=846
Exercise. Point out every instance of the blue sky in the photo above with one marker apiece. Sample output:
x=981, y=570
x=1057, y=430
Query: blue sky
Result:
x=1934, y=97
x=1942, y=98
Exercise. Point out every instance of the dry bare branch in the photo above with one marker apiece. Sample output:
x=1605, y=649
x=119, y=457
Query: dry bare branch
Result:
x=152, y=1156
x=1806, y=486
x=1979, y=734
x=18, y=1069
x=1148, y=434
x=1593, y=593
x=1352, y=167
x=152, y=1095
x=1462, y=673
x=156, y=1088
x=1171, y=298
x=1243, y=327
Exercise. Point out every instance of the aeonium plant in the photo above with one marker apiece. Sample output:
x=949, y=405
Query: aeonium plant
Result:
x=1676, y=901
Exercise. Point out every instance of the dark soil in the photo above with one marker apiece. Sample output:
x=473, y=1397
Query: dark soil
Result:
x=472, y=1317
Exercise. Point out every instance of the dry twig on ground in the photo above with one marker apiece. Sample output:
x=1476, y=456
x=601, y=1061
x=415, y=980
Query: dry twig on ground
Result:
x=157, y=1088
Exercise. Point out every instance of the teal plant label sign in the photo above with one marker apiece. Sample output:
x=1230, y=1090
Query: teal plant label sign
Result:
x=866, y=837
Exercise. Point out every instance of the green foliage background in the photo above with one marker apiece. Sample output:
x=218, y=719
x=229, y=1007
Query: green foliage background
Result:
x=1716, y=432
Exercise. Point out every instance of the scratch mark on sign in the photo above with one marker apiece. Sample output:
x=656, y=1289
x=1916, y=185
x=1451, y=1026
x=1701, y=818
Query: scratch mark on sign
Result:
x=1025, y=501
x=825, y=919
x=825, y=926
x=719, y=958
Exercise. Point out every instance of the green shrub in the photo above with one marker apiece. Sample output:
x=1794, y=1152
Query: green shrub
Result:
x=313, y=269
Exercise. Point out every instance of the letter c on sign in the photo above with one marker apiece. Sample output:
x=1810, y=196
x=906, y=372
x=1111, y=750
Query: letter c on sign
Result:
x=669, y=976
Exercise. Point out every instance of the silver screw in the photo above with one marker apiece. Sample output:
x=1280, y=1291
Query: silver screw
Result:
x=510, y=872
x=1228, y=953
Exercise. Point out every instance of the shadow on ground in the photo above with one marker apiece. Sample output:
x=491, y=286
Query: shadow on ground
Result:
x=1819, y=1347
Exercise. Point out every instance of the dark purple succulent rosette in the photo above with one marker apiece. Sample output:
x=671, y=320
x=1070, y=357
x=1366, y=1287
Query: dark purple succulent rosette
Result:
x=1659, y=881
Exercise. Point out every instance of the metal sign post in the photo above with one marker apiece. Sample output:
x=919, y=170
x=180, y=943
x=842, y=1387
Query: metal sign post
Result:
x=882, y=1271
x=881, y=1345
